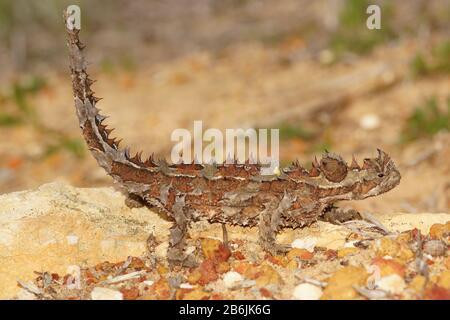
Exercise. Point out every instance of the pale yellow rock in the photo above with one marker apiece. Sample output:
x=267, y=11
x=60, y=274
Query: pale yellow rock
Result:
x=418, y=283
x=341, y=283
x=324, y=234
x=56, y=226
x=399, y=222
x=334, y=236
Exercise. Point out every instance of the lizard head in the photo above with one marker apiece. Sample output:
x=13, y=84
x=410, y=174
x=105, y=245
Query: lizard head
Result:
x=376, y=176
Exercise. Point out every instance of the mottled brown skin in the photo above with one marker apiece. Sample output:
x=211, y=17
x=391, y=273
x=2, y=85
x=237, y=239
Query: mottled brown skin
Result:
x=229, y=194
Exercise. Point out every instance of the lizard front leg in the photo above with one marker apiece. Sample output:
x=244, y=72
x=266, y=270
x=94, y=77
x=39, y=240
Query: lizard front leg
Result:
x=178, y=234
x=269, y=224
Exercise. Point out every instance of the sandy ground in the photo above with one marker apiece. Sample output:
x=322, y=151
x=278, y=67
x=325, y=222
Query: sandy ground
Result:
x=61, y=242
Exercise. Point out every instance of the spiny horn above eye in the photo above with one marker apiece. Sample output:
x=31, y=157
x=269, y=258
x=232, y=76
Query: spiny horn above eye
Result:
x=354, y=165
x=383, y=158
x=381, y=154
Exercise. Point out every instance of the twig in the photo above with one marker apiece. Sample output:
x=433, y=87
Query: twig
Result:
x=371, y=294
x=364, y=228
x=370, y=218
x=124, y=266
x=125, y=277
x=33, y=289
x=312, y=281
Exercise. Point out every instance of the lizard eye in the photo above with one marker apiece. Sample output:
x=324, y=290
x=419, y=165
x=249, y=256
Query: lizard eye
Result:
x=380, y=175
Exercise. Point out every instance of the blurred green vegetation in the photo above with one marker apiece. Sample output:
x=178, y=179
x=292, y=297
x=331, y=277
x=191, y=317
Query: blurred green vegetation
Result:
x=438, y=61
x=23, y=112
x=323, y=145
x=294, y=131
x=318, y=140
x=124, y=62
x=353, y=34
x=426, y=120
x=18, y=94
x=75, y=146
x=32, y=31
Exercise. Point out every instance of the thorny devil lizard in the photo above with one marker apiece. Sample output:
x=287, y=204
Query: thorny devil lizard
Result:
x=233, y=194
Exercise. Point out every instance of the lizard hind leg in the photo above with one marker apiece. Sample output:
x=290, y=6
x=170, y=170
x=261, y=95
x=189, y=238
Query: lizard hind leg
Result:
x=269, y=224
x=177, y=240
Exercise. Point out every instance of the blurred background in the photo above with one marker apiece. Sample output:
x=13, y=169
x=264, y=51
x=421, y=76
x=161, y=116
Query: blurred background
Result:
x=310, y=68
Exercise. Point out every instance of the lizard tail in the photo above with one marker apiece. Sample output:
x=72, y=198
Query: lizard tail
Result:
x=116, y=161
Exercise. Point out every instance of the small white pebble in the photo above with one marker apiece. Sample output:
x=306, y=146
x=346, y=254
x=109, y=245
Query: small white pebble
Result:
x=307, y=291
x=307, y=243
x=428, y=256
x=231, y=279
x=186, y=286
x=100, y=293
x=234, y=246
x=72, y=239
x=149, y=282
x=190, y=250
x=393, y=284
x=369, y=121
